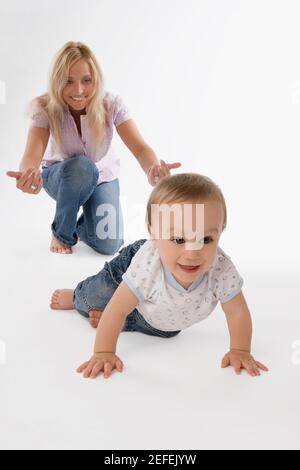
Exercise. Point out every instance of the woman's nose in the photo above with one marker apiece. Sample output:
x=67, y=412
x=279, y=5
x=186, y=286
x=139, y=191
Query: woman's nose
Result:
x=79, y=88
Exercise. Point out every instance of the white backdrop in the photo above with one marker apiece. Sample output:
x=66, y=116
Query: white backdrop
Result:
x=214, y=84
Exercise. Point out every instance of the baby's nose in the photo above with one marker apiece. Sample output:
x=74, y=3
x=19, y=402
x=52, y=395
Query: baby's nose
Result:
x=193, y=246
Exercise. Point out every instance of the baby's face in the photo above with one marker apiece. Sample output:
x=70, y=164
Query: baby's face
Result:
x=188, y=245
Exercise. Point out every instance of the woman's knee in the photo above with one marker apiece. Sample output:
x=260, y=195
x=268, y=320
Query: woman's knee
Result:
x=108, y=247
x=79, y=171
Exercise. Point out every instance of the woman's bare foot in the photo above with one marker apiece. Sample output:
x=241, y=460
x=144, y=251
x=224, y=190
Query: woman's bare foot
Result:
x=57, y=247
x=95, y=316
x=62, y=299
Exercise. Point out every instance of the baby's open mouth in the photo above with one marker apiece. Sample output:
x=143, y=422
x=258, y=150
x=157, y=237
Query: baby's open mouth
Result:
x=187, y=268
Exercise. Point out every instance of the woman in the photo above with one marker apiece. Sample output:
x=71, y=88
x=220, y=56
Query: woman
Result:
x=79, y=168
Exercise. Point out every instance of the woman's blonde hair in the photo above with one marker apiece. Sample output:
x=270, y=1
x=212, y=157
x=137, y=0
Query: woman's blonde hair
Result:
x=52, y=101
x=185, y=187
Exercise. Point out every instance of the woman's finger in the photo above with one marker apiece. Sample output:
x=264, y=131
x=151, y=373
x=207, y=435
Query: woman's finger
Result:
x=171, y=166
x=24, y=178
x=37, y=182
x=154, y=175
x=27, y=188
x=165, y=168
x=151, y=172
x=161, y=173
x=14, y=174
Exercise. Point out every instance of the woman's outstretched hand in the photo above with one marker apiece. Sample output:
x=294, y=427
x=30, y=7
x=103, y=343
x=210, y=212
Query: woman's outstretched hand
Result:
x=29, y=181
x=156, y=172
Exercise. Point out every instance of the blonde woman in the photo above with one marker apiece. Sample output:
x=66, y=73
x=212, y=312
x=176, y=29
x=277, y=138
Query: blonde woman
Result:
x=79, y=167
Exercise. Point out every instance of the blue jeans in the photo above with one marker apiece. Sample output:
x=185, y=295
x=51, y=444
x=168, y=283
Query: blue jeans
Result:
x=95, y=292
x=72, y=184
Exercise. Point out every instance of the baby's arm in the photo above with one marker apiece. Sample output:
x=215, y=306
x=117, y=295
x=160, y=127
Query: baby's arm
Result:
x=122, y=303
x=240, y=329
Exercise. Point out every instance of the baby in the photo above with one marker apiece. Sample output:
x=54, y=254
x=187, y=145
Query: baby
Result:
x=170, y=282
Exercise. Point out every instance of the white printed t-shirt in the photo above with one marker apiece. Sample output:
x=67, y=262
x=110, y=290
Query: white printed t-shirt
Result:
x=168, y=306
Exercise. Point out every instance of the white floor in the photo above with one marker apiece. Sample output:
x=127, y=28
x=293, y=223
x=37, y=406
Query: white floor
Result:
x=172, y=393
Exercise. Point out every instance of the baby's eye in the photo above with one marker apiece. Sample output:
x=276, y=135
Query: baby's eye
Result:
x=178, y=240
x=207, y=240
x=88, y=80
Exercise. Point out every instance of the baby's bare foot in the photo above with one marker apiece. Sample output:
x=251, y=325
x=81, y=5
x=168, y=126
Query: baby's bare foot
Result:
x=62, y=299
x=57, y=247
x=95, y=316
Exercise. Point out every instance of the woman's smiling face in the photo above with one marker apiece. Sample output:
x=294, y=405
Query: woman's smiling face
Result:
x=79, y=86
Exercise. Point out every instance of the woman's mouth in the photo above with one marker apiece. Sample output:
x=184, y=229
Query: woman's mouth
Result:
x=77, y=100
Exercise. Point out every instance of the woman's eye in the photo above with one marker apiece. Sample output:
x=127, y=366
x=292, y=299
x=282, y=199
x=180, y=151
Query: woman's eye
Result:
x=87, y=80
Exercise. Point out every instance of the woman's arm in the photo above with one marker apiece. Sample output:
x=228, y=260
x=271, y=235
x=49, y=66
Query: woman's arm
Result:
x=36, y=145
x=29, y=179
x=132, y=138
x=145, y=155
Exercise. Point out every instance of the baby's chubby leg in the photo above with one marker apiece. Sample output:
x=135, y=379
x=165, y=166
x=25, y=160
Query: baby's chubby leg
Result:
x=62, y=299
x=93, y=294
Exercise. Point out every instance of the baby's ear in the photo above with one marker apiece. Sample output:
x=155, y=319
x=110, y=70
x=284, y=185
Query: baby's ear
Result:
x=152, y=235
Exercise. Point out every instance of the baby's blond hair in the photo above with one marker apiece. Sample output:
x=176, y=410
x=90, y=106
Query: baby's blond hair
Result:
x=185, y=187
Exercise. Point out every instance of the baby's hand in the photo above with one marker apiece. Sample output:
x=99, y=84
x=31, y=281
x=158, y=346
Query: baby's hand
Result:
x=106, y=361
x=239, y=359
